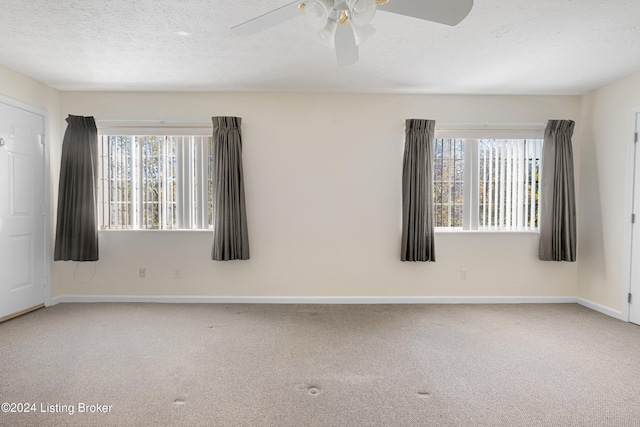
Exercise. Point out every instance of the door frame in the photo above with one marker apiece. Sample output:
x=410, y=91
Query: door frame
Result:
x=633, y=150
x=46, y=190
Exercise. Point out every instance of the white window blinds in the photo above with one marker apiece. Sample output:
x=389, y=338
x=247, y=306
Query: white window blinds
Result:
x=508, y=183
x=155, y=182
x=487, y=184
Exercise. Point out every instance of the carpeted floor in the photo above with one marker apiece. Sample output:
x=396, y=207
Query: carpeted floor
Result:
x=320, y=365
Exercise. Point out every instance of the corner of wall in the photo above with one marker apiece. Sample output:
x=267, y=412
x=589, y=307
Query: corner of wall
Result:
x=603, y=198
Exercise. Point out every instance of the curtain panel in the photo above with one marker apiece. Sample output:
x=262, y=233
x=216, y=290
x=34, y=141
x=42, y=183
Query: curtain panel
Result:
x=230, y=233
x=557, y=194
x=77, y=223
x=417, y=192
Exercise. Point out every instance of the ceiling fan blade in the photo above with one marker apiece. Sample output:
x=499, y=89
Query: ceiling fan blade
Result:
x=449, y=12
x=268, y=20
x=346, y=49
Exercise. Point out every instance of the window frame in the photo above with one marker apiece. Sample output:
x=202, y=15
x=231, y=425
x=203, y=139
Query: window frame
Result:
x=159, y=129
x=472, y=134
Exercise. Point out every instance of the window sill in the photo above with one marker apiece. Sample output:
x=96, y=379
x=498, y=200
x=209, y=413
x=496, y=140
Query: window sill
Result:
x=156, y=231
x=487, y=231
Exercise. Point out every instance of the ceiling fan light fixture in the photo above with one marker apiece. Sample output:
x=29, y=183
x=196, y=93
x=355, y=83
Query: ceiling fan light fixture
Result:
x=361, y=11
x=317, y=12
x=345, y=24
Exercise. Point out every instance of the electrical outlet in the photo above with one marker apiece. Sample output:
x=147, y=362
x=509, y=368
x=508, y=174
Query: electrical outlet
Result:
x=177, y=272
x=142, y=271
x=463, y=273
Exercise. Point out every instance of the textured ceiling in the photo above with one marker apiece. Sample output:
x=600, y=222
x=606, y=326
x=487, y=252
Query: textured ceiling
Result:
x=502, y=47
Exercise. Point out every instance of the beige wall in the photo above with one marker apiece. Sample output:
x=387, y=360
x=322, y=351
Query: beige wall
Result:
x=606, y=126
x=26, y=90
x=323, y=193
x=32, y=92
x=323, y=189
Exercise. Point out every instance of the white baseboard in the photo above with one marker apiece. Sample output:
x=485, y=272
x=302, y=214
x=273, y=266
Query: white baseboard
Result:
x=600, y=308
x=54, y=300
x=334, y=300
x=310, y=300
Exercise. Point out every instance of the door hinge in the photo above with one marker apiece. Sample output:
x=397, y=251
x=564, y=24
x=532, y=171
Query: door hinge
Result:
x=635, y=137
x=633, y=218
x=41, y=138
x=629, y=297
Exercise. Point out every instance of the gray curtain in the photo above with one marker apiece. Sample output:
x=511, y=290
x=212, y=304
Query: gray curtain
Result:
x=230, y=234
x=417, y=192
x=77, y=225
x=557, y=194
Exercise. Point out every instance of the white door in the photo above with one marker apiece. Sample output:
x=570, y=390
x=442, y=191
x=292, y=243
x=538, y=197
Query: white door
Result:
x=634, y=307
x=22, y=238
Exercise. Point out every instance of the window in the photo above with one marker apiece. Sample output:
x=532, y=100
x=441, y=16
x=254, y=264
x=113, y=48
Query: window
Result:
x=448, y=182
x=486, y=184
x=155, y=182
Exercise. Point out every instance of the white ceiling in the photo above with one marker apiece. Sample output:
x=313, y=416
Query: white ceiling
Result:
x=502, y=47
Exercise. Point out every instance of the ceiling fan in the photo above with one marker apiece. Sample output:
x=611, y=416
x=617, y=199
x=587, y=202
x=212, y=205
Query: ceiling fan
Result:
x=345, y=24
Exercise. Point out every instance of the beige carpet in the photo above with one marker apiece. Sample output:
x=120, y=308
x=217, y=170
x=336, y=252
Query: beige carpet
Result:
x=320, y=365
